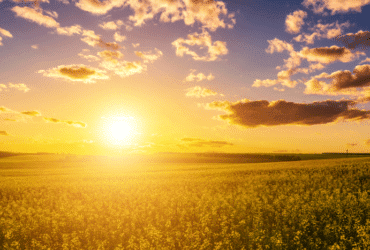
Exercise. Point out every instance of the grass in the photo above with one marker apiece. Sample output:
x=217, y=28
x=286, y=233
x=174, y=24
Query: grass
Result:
x=49, y=202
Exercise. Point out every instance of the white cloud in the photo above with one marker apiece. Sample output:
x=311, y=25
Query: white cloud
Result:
x=35, y=15
x=118, y=37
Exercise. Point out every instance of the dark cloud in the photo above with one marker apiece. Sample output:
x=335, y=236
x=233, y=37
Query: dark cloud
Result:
x=197, y=142
x=329, y=54
x=72, y=123
x=3, y=133
x=107, y=45
x=264, y=113
x=353, y=41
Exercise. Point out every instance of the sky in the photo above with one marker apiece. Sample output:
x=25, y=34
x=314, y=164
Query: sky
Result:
x=128, y=76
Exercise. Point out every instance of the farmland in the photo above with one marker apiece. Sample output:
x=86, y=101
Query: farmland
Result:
x=54, y=202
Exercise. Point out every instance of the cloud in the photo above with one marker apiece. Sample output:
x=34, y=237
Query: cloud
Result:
x=198, y=92
x=328, y=55
x=365, y=61
x=110, y=56
x=209, y=13
x=294, y=22
x=31, y=113
x=36, y=16
x=248, y=113
x=70, y=30
x=353, y=41
x=125, y=68
x=97, y=7
x=90, y=58
x=336, y=6
x=197, y=142
x=367, y=142
x=5, y=110
x=279, y=46
x=6, y=33
x=20, y=86
x=215, y=49
x=112, y=25
x=342, y=82
x=94, y=40
x=35, y=46
x=75, y=72
x=328, y=31
x=4, y=133
x=118, y=38
x=72, y=123
x=198, y=77
x=149, y=56
x=135, y=45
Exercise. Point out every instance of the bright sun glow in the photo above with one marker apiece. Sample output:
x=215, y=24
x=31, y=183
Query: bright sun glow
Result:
x=120, y=130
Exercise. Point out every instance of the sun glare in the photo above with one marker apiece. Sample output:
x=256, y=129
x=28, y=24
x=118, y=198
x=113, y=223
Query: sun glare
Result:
x=120, y=130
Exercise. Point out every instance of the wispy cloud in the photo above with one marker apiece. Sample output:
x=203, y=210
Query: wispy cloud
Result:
x=4, y=133
x=198, y=77
x=35, y=15
x=198, y=142
x=335, y=6
x=149, y=56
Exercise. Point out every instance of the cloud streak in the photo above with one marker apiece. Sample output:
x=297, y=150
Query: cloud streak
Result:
x=198, y=92
x=197, y=142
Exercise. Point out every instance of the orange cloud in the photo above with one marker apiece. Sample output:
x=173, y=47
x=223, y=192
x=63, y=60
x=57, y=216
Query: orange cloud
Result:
x=198, y=92
x=72, y=123
x=112, y=25
x=79, y=73
x=94, y=40
x=35, y=15
x=294, y=22
x=69, y=31
x=215, y=49
x=197, y=142
x=248, y=113
x=336, y=6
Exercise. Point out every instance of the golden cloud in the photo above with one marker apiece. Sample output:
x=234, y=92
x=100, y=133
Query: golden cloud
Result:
x=353, y=41
x=248, y=113
x=278, y=46
x=294, y=22
x=72, y=123
x=99, y=7
x=149, y=56
x=94, y=40
x=198, y=92
x=112, y=25
x=197, y=142
x=4, y=133
x=215, y=49
x=336, y=6
x=36, y=16
x=74, y=72
x=328, y=55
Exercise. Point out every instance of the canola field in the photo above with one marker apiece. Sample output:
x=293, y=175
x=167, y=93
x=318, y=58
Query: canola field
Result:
x=52, y=202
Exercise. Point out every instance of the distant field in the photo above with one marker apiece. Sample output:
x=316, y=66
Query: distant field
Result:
x=59, y=202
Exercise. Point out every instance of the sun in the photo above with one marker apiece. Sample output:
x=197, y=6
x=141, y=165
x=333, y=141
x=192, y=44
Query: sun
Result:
x=120, y=130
